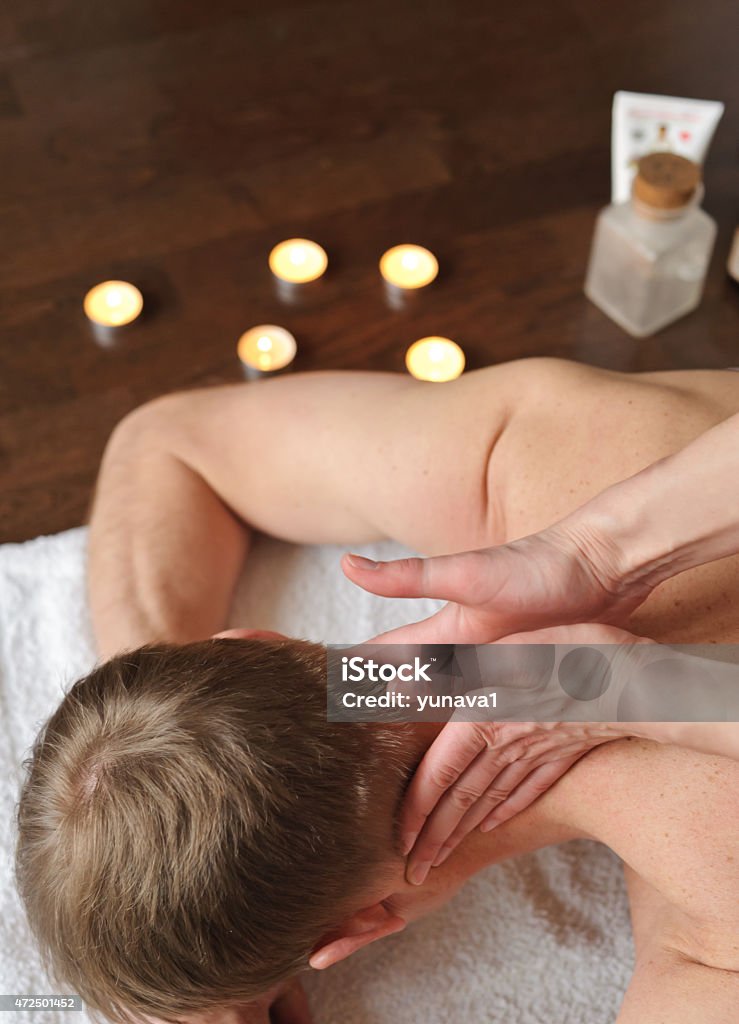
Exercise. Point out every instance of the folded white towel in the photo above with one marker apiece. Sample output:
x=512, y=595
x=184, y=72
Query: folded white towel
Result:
x=538, y=940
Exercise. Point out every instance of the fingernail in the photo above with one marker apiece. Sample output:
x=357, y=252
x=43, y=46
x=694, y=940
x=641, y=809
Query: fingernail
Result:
x=488, y=826
x=360, y=562
x=417, y=874
x=408, y=843
x=441, y=856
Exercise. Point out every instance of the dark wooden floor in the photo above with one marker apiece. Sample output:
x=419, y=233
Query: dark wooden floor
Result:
x=174, y=142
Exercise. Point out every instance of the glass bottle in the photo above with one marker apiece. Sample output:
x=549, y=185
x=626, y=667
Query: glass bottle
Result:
x=650, y=255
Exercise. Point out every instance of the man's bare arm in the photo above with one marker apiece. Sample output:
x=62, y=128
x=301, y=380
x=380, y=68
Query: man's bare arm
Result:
x=316, y=458
x=164, y=551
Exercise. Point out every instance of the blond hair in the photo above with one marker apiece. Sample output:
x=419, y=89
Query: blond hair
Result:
x=190, y=824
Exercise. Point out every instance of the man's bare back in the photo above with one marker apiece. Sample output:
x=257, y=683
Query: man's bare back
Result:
x=352, y=457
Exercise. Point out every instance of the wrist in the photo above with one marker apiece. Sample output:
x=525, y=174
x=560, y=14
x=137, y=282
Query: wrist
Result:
x=622, y=539
x=677, y=513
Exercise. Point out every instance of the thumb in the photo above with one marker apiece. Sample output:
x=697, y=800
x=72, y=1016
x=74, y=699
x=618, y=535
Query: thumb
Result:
x=445, y=577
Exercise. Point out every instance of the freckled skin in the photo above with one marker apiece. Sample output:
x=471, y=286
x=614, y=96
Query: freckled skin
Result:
x=677, y=844
x=615, y=425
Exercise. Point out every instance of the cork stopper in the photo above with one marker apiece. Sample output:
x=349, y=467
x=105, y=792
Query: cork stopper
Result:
x=666, y=180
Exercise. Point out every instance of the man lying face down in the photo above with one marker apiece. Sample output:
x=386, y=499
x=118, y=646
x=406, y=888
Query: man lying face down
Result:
x=193, y=832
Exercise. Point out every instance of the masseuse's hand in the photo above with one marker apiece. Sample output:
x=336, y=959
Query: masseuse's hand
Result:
x=596, y=565
x=564, y=574
x=483, y=773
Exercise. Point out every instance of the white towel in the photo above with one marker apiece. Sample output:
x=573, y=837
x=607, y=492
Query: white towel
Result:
x=538, y=940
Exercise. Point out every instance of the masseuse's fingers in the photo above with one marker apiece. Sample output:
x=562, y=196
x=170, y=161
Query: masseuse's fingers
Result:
x=485, y=772
x=446, y=577
x=488, y=593
x=488, y=781
x=515, y=788
x=504, y=795
x=530, y=789
x=439, y=578
x=456, y=747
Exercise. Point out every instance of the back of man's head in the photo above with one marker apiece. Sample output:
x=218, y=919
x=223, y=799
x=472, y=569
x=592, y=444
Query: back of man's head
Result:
x=191, y=825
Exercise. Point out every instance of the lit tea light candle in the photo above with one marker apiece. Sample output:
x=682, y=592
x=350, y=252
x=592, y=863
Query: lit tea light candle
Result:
x=265, y=350
x=435, y=359
x=113, y=303
x=298, y=260
x=409, y=266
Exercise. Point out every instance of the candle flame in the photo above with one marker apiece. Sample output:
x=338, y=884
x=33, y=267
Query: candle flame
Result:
x=408, y=266
x=435, y=359
x=113, y=303
x=297, y=260
x=266, y=347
